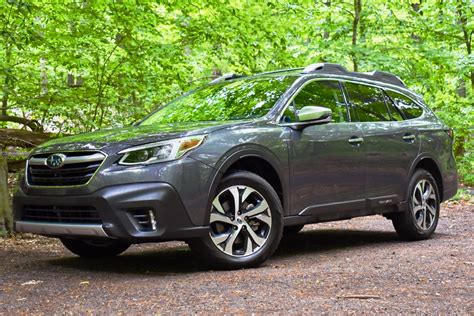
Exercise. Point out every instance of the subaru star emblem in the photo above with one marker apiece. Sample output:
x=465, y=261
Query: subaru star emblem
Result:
x=55, y=161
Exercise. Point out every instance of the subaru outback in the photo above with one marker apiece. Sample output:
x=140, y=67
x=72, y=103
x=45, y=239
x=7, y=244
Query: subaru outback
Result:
x=232, y=166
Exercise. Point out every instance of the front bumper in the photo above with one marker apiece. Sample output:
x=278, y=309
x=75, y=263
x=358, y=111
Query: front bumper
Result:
x=116, y=206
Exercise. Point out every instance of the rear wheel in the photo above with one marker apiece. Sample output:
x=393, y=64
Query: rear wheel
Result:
x=95, y=248
x=245, y=223
x=421, y=218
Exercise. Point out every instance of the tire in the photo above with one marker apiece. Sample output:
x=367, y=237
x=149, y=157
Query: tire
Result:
x=420, y=219
x=95, y=248
x=230, y=244
x=292, y=230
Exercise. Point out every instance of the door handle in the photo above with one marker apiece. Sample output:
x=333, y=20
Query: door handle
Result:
x=409, y=137
x=355, y=140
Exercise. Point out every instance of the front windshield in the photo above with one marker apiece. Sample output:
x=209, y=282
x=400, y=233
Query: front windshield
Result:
x=228, y=100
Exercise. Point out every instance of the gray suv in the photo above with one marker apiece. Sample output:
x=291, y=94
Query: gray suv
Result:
x=232, y=166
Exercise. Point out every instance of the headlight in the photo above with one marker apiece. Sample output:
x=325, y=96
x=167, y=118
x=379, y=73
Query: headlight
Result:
x=160, y=151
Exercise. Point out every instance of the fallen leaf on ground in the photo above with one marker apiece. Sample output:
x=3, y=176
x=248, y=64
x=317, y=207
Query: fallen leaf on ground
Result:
x=32, y=282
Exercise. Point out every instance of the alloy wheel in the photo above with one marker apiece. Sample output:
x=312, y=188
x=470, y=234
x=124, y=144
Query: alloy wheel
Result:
x=424, y=204
x=240, y=221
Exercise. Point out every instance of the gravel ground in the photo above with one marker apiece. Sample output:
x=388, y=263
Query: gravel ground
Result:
x=356, y=266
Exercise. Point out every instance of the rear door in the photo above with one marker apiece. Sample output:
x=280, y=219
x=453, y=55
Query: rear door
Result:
x=327, y=163
x=391, y=144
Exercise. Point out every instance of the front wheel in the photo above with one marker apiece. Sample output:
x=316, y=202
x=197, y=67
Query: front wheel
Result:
x=421, y=218
x=245, y=223
x=95, y=248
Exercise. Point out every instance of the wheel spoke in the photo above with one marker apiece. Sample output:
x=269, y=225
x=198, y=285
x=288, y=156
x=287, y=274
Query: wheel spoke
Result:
x=422, y=186
x=249, y=248
x=217, y=217
x=217, y=204
x=423, y=225
x=431, y=210
x=220, y=238
x=257, y=239
x=415, y=198
x=235, y=193
x=264, y=218
x=427, y=192
x=260, y=208
x=230, y=242
x=246, y=193
x=417, y=208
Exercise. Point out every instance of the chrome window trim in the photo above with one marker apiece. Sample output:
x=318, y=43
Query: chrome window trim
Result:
x=342, y=79
x=105, y=156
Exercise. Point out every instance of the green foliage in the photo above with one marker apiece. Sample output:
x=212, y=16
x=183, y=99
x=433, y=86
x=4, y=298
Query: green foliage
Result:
x=81, y=65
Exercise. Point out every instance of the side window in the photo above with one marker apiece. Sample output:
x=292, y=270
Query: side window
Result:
x=409, y=108
x=368, y=103
x=319, y=93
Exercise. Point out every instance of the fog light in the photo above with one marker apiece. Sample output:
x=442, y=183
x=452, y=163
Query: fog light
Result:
x=152, y=219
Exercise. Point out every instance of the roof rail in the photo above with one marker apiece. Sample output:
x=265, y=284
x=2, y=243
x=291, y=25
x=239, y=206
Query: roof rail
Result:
x=385, y=77
x=325, y=67
x=225, y=77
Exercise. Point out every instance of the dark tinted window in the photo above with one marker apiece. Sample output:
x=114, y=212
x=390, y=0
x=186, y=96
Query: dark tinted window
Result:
x=319, y=93
x=228, y=100
x=409, y=108
x=368, y=103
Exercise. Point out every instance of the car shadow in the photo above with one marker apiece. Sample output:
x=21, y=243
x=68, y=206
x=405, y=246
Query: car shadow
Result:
x=178, y=260
x=331, y=240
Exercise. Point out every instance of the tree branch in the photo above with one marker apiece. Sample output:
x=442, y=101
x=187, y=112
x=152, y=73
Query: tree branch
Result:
x=34, y=125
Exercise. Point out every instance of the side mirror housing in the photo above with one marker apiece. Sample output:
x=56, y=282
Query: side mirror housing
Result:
x=311, y=115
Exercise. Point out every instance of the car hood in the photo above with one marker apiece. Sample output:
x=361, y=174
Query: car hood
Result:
x=116, y=139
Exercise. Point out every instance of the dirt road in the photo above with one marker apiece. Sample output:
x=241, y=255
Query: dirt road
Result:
x=352, y=266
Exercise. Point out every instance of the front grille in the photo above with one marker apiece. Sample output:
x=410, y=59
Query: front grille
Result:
x=61, y=214
x=78, y=169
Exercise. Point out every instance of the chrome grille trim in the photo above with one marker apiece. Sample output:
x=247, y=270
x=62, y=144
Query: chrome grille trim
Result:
x=89, y=160
x=69, y=160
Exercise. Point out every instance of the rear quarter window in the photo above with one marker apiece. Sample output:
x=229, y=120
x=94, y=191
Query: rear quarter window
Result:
x=408, y=107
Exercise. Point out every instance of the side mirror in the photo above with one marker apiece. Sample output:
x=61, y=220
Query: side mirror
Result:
x=310, y=115
x=313, y=113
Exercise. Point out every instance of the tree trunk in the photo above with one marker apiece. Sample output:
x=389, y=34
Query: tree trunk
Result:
x=7, y=82
x=355, y=24
x=328, y=21
x=463, y=20
x=6, y=216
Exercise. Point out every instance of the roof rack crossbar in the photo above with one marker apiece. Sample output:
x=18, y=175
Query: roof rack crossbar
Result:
x=225, y=77
x=337, y=69
x=325, y=67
